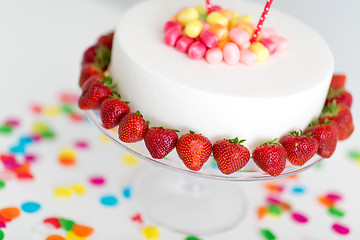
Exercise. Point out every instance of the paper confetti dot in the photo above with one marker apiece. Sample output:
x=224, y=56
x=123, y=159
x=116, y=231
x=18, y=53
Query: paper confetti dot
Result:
x=336, y=212
x=30, y=158
x=150, y=232
x=334, y=197
x=72, y=236
x=12, y=122
x=82, y=231
x=130, y=160
x=79, y=189
x=127, y=192
x=2, y=184
x=137, y=218
x=54, y=222
x=275, y=188
x=104, y=139
x=261, y=212
x=10, y=213
x=299, y=217
x=30, y=207
x=52, y=111
x=323, y=200
x=67, y=157
x=55, y=237
x=273, y=200
x=81, y=144
x=109, y=200
x=274, y=210
x=192, y=238
x=341, y=229
x=6, y=129
x=62, y=192
x=66, y=224
x=298, y=190
x=67, y=109
x=267, y=234
x=97, y=180
x=2, y=235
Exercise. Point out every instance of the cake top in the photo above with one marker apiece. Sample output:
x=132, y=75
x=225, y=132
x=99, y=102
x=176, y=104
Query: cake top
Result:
x=285, y=74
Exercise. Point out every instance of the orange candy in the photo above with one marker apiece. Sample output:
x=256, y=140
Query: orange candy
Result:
x=220, y=31
x=55, y=237
x=221, y=44
x=229, y=14
x=82, y=231
x=248, y=27
x=10, y=213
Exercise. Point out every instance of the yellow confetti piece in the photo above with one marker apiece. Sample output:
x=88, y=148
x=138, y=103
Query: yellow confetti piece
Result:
x=52, y=111
x=79, y=189
x=40, y=127
x=105, y=139
x=67, y=156
x=358, y=163
x=72, y=236
x=150, y=232
x=62, y=192
x=130, y=160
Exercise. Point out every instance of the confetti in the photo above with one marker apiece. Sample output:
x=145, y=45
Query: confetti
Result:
x=12, y=122
x=104, y=139
x=334, y=197
x=127, y=192
x=130, y=160
x=273, y=200
x=72, y=236
x=66, y=224
x=30, y=158
x=81, y=144
x=336, y=212
x=275, y=188
x=67, y=157
x=30, y=207
x=326, y=201
x=62, y=192
x=9, y=213
x=298, y=217
x=55, y=237
x=261, y=212
x=52, y=111
x=97, y=180
x=82, y=231
x=298, y=190
x=79, y=189
x=274, y=210
x=137, y=218
x=109, y=200
x=192, y=238
x=2, y=235
x=6, y=129
x=2, y=224
x=2, y=184
x=54, y=222
x=341, y=229
x=267, y=234
x=150, y=232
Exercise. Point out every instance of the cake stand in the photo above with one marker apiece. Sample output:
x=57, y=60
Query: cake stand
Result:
x=185, y=201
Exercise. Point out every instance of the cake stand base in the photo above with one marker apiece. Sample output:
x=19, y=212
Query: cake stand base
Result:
x=188, y=204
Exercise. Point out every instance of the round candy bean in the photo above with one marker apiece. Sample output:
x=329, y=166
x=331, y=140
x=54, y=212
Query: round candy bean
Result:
x=220, y=31
x=200, y=8
x=260, y=50
x=282, y=44
x=247, y=57
x=214, y=55
x=246, y=26
x=246, y=18
x=268, y=32
x=231, y=53
x=221, y=44
x=170, y=24
x=193, y=28
x=184, y=43
x=209, y=39
x=239, y=36
x=270, y=45
x=187, y=15
x=172, y=35
x=229, y=14
x=216, y=17
x=205, y=26
x=197, y=50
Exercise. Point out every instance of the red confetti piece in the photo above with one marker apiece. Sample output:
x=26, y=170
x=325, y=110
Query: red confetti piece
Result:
x=54, y=222
x=35, y=108
x=2, y=224
x=298, y=217
x=341, y=229
x=68, y=97
x=77, y=117
x=137, y=218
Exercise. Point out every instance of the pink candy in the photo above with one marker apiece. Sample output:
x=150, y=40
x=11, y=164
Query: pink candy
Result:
x=247, y=57
x=240, y=37
x=270, y=45
x=214, y=8
x=209, y=39
x=231, y=53
x=214, y=55
x=282, y=44
x=197, y=50
x=184, y=43
x=268, y=32
x=170, y=24
x=172, y=36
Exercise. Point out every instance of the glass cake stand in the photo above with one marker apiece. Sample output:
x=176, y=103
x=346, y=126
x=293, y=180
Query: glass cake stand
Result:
x=186, y=201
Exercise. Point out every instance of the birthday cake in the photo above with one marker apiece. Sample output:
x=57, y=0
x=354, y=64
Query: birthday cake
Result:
x=283, y=91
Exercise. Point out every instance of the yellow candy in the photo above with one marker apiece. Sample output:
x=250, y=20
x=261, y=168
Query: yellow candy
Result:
x=200, y=8
x=260, y=50
x=193, y=28
x=246, y=18
x=217, y=18
x=246, y=26
x=187, y=15
x=150, y=232
x=220, y=31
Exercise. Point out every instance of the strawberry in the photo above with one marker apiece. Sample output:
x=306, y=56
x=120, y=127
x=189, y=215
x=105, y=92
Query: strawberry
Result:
x=87, y=71
x=326, y=135
x=91, y=79
x=194, y=150
x=160, y=142
x=132, y=127
x=340, y=95
x=342, y=118
x=270, y=157
x=106, y=40
x=94, y=92
x=300, y=148
x=89, y=55
x=230, y=155
x=338, y=81
x=111, y=111
x=102, y=58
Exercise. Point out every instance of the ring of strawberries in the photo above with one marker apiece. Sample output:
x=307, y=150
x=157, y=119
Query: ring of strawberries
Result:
x=321, y=137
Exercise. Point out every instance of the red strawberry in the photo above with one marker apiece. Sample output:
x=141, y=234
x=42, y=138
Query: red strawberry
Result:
x=91, y=79
x=102, y=58
x=89, y=55
x=270, y=157
x=230, y=155
x=94, y=92
x=326, y=135
x=342, y=118
x=340, y=95
x=338, y=81
x=87, y=71
x=132, y=127
x=300, y=148
x=111, y=111
x=106, y=40
x=160, y=142
x=194, y=150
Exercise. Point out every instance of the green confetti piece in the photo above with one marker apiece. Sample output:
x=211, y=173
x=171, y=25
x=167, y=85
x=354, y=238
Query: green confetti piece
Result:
x=2, y=184
x=192, y=238
x=49, y=134
x=274, y=210
x=336, y=212
x=66, y=224
x=267, y=234
x=2, y=235
x=354, y=154
x=67, y=109
x=40, y=127
x=6, y=129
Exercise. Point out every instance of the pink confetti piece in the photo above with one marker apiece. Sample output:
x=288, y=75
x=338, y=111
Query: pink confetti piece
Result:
x=81, y=144
x=298, y=217
x=30, y=158
x=334, y=197
x=97, y=180
x=13, y=122
x=273, y=200
x=341, y=229
x=2, y=224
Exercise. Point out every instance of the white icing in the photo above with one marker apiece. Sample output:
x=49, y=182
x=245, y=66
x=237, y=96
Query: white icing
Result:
x=257, y=103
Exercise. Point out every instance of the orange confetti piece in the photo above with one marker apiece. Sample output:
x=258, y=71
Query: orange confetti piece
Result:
x=82, y=231
x=261, y=212
x=273, y=187
x=67, y=157
x=285, y=206
x=326, y=201
x=10, y=213
x=55, y=237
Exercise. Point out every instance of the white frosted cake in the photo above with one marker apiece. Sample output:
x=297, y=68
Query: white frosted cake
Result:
x=257, y=103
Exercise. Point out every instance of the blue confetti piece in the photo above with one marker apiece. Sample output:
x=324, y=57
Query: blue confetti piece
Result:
x=298, y=190
x=18, y=149
x=127, y=192
x=109, y=200
x=25, y=140
x=30, y=207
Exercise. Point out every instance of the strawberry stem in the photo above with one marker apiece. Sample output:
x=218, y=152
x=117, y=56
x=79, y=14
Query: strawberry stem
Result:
x=236, y=140
x=272, y=142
